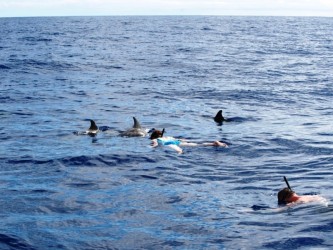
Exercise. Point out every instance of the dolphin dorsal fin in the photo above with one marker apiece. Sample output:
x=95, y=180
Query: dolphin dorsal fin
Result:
x=136, y=123
x=93, y=125
x=219, y=117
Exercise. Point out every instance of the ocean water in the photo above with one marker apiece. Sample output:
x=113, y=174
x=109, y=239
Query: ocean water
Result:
x=271, y=75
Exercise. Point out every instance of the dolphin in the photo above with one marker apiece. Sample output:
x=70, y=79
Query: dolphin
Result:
x=92, y=130
x=219, y=117
x=135, y=131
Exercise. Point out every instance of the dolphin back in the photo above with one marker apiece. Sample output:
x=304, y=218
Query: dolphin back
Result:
x=135, y=131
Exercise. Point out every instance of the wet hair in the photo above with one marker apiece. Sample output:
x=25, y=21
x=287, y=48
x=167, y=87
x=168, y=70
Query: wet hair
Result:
x=284, y=195
x=156, y=134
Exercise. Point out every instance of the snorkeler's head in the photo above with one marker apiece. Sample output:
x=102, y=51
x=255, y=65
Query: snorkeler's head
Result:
x=156, y=134
x=284, y=195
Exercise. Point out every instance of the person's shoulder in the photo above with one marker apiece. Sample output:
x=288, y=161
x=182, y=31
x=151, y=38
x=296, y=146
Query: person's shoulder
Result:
x=166, y=138
x=311, y=198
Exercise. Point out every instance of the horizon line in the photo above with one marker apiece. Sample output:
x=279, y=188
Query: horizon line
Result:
x=161, y=15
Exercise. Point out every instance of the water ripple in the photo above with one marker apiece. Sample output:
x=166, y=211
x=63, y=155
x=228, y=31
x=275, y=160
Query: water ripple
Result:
x=63, y=191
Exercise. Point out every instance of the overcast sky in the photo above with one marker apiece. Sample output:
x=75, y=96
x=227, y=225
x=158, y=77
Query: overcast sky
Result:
x=13, y=8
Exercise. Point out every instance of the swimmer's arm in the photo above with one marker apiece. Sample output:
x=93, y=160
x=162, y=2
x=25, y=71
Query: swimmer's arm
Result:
x=154, y=143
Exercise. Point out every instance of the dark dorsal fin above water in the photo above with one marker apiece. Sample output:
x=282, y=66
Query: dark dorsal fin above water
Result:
x=93, y=125
x=219, y=117
x=135, y=131
x=136, y=123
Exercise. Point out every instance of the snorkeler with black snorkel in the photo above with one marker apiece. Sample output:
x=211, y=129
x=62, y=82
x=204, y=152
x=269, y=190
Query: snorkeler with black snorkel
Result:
x=287, y=196
x=158, y=139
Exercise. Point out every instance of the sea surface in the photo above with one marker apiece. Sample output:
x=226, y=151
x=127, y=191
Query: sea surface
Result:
x=271, y=75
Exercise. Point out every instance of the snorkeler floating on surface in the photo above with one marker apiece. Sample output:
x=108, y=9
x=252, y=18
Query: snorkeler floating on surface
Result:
x=287, y=196
x=158, y=139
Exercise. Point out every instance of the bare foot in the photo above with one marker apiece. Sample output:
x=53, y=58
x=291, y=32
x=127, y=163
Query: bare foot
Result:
x=219, y=144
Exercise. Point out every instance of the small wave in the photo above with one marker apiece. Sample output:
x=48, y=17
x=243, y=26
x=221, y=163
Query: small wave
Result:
x=148, y=177
x=52, y=34
x=22, y=113
x=113, y=67
x=79, y=161
x=4, y=66
x=14, y=242
x=184, y=50
x=295, y=243
x=259, y=207
x=61, y=79
x=87, y=185
x=79, y=93
x=174, y=199
x=49, y=65
x=5, y=99
x=40, y=191
x=106, y=160
x=35, y=39
x=328, y=227
x=326, y=134
x=28, y=159
x=206, y=29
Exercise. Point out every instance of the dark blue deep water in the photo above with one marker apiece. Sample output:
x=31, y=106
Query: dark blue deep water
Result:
x=273, y=76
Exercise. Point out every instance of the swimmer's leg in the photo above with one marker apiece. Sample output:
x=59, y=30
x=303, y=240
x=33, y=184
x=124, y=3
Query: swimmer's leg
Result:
x=190, y=144
x=215, y=144
x=177, y=148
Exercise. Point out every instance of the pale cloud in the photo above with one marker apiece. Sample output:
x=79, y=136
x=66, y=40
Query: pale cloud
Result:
x=165, y=7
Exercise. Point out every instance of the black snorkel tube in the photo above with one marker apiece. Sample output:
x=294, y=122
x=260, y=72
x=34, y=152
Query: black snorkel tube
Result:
x=162, y=132
x=285, y=179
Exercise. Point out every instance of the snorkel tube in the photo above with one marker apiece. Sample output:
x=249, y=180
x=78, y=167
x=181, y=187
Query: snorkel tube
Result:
x=285, y=179
x=162, y=132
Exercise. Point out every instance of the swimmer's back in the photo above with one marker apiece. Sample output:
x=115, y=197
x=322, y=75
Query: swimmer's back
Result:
x=168, y=141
